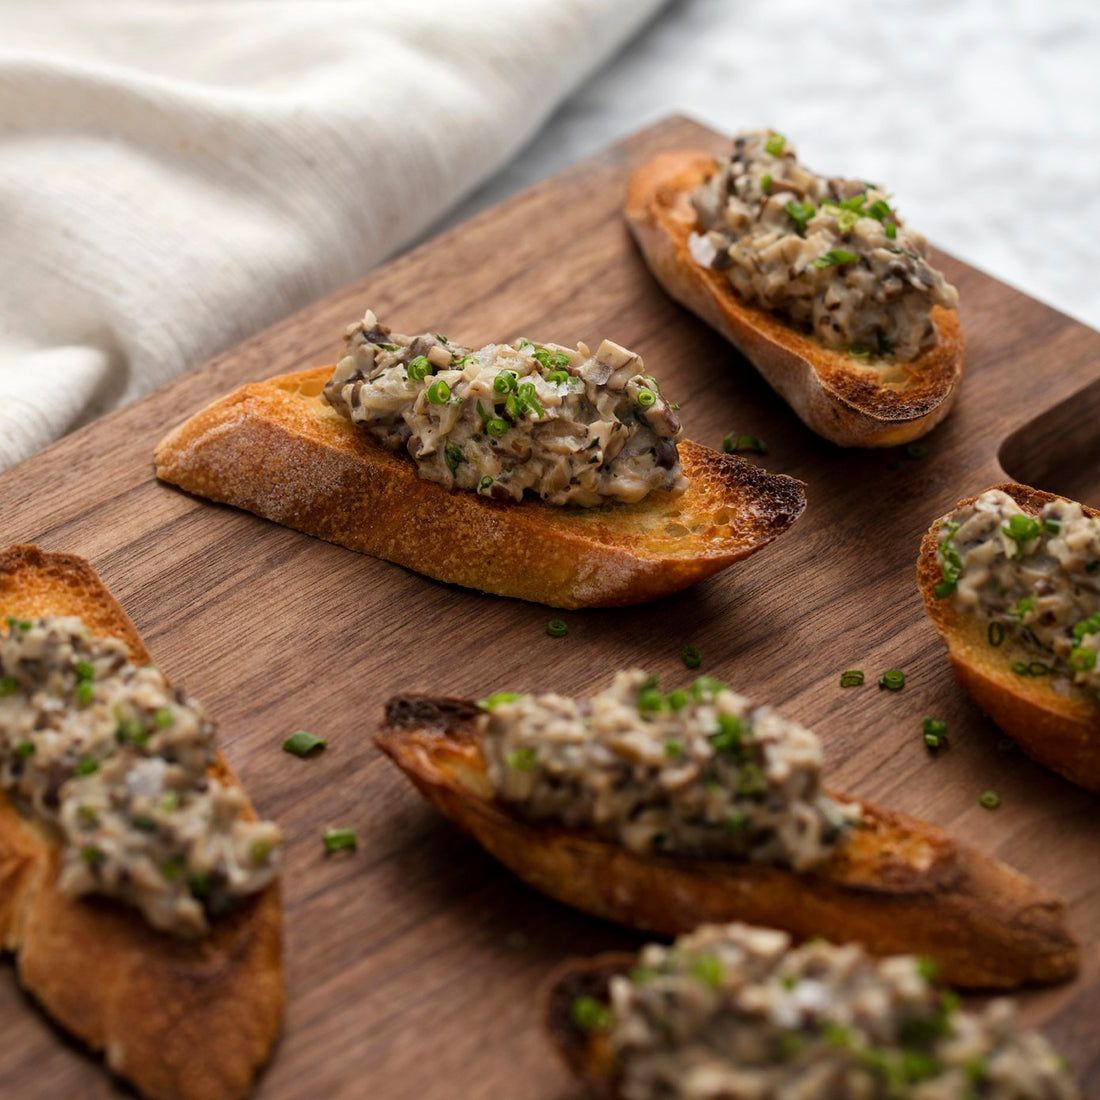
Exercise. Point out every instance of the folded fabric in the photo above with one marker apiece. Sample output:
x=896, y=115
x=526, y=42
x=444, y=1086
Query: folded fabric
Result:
x=176, y=175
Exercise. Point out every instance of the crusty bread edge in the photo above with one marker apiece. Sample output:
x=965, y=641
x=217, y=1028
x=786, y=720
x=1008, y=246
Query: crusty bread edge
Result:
x=1059, y=731
x=180, y=1020
x=276, y=449
x=898, y=885
x=834, y=396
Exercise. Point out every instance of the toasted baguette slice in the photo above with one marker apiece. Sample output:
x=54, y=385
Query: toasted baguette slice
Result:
x=847, y=403
x=897, y=885
x=178, y=1019
x=278, y=449
x=1061, y=731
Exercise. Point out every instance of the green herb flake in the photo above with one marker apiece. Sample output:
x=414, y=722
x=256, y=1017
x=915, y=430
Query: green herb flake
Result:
x=892, y=680
x=523, y=759
x=497, y=698
x=453, y=456
x=589, y=1014
x=339, y=840
x=935, y=733
x=24, y=750
x=674, y=750
x=301, y=743
x=709, y=969
x=557, y=628
x=851, y=678
x=692, y=656
x=766, y=182
x=835, y=257
x=1021, y=530
x=86, y=766
x=85, y=693
x=775, y=144
x=800, y=213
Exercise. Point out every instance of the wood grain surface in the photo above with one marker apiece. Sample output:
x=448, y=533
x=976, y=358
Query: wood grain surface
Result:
x=413, y=963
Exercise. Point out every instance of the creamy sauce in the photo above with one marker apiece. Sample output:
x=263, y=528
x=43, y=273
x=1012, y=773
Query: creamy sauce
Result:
x=697, y=772
x=736, y=1013
x=828, y=254
x=566, y=426
x=113, y=759
x=1036, y=579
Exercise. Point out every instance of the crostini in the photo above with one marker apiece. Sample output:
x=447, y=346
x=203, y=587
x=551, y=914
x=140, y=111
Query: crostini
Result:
x=536, y=471
x=1011, y=581
x=665, y=812
x=814, y=280
x=137, y=888
x=740, y=1011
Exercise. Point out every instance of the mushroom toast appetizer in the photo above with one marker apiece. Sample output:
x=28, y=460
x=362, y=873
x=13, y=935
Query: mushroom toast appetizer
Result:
x=814, y=279
x=137, y=888
x=526, y=470
x=733, y=1012
x=663, y=812
x=1011, y=580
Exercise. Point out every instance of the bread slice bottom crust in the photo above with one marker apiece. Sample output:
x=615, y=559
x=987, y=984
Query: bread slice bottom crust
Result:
x=848, y=404
x=1061, y=731
x=277, y=449
x=178, y=1019
x=897, y=885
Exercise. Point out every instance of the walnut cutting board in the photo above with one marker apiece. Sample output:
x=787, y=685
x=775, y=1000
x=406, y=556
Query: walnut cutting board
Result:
x=412, y=964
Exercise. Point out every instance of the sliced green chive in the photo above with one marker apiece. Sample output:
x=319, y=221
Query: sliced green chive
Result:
x=891, y=230
x=732, y=443
x=989, y=799
x=439, y=393
x=1051, y=526
x=19, y=624
x=835, y=257
x=86, y=766
x=691, y=656
x=505, y=382
x=928, y=968
x=9, y=685
x=497, y=427
x=916, y=450
x=995, y=633
x=935, y=733
x=800, y=213
x=302, y=743
x=419, y=369
x=1083, y=659
x=775, y=144
x=169, y=802
x=84, y=670
x=650, y=699
x=91, y=855
x=339, y=840
x=1020, y=668
x=143, y=823
x=1091, y=625
x=172, y=868
x=674, y=749
x=485, y=483
x=24, y=750
x=709, y=969
x=1022, y=530
x=892, y=680
x=523, y=759
x=85, y=692
x=558, y=377
x=853, y=677
x=859, y=351
x=589, y=1015
x=646, y=398
x=730, y=733
x=677, y=699
x=557, y=628
x=497, y=698
x=453, y=456
x=766, y=182
x=199, y=885
x=440, y=337
x=737, y=822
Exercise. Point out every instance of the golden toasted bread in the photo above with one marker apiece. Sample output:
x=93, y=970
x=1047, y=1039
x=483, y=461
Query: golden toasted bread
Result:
x=278, y=449
x=896, y=884
x=179, y=1019
x=1059, y=728
x=847, y=402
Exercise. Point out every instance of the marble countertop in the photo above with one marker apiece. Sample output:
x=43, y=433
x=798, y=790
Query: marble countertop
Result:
x=982, y=116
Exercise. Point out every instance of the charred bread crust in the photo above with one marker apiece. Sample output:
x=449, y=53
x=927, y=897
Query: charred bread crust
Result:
x=277, y=449
x=180, y=1020
x=587, y=1054
x=845, y=403
x=897, y=885
x=1060, y=731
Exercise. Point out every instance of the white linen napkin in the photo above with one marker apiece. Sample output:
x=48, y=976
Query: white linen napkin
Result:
x=176, y=175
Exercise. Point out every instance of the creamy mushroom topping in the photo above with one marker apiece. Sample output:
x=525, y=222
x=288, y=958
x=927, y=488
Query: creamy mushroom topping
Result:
x=732, y=1012
x=564, y=425
x=1035, y=578
x=828, y=254
x=699, y=771
x=116, y=761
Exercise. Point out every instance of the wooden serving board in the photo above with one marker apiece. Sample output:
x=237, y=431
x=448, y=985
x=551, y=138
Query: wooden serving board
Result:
x=413, y=963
